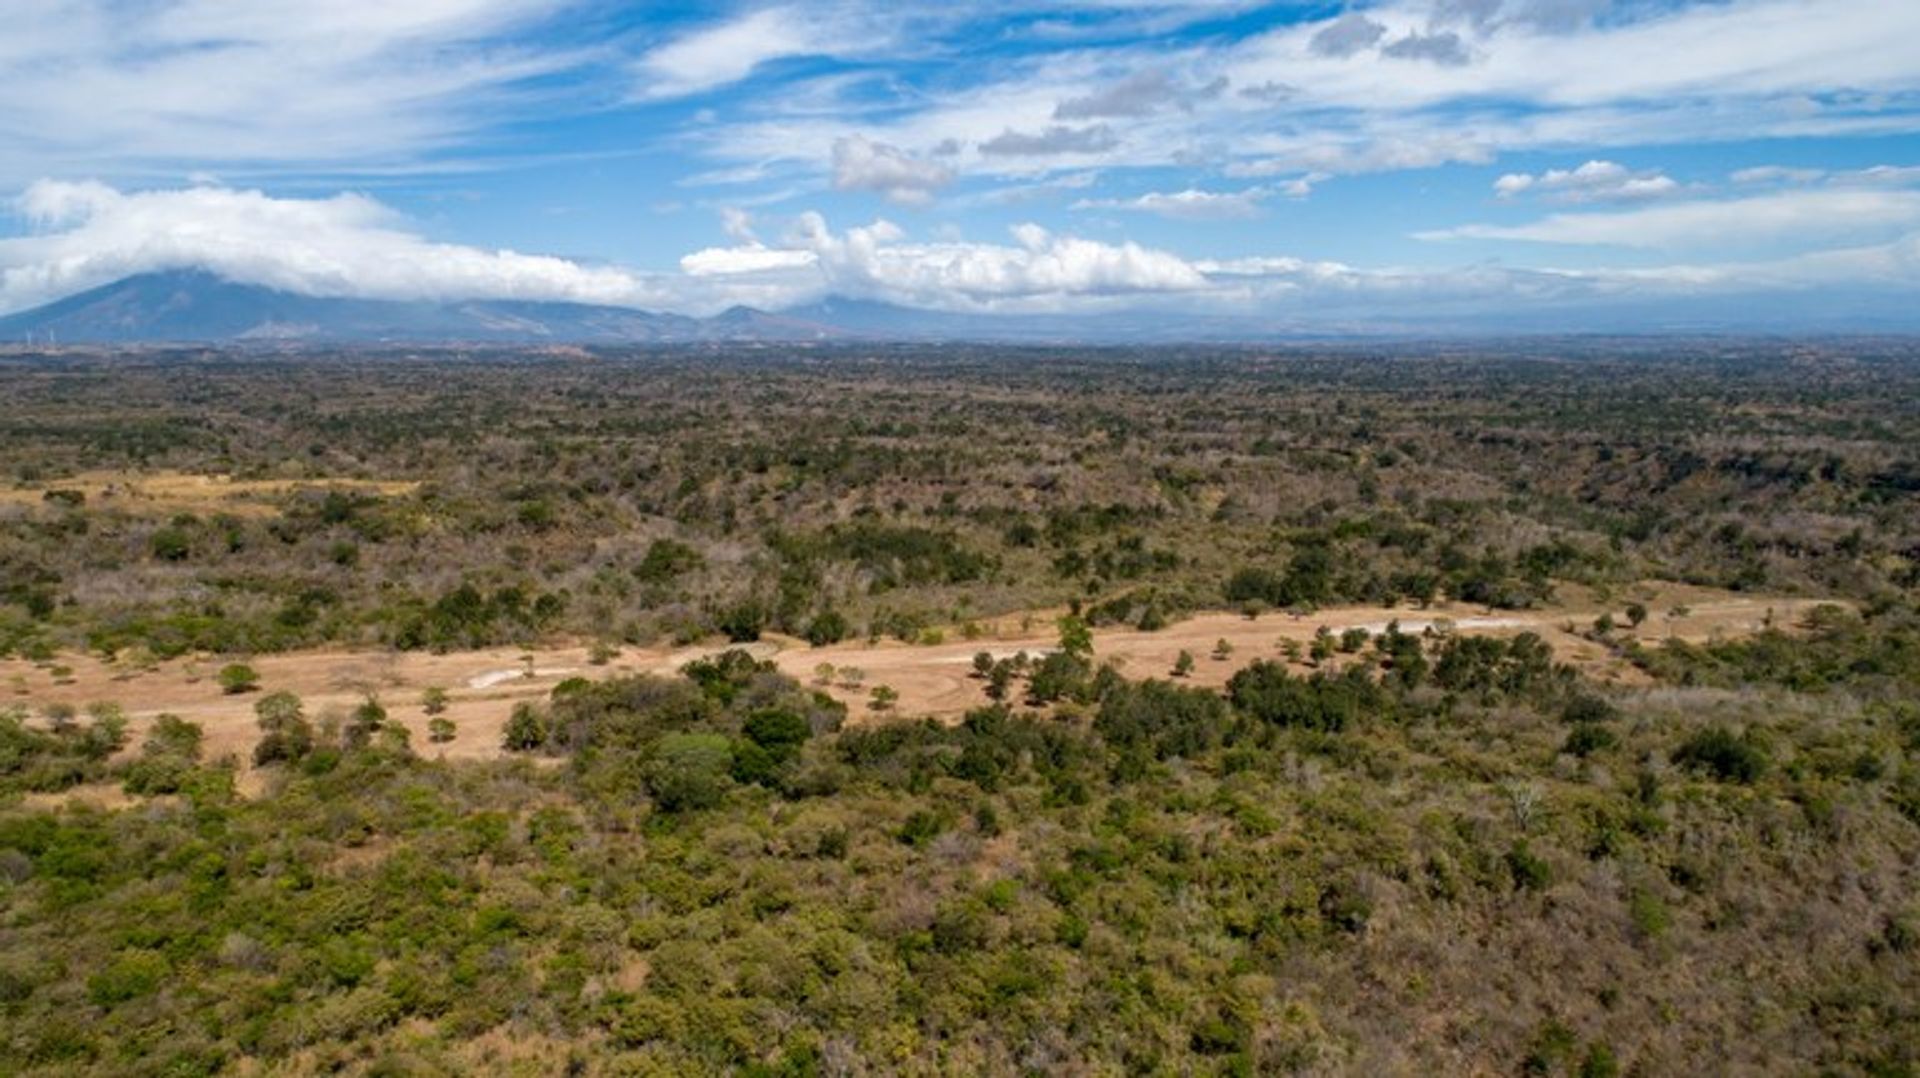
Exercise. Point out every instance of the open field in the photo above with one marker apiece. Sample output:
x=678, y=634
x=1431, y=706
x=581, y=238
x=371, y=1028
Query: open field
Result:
x=933, y=680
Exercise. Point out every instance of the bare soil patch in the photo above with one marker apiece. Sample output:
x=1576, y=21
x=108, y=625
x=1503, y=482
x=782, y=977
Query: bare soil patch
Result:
x=932, y=680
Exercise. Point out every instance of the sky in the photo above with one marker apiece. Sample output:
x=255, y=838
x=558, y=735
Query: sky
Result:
x=1310, y=163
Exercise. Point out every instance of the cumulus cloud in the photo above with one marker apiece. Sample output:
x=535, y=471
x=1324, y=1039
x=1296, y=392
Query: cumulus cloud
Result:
x=874, y=261
x=1190, y=204
x=1141, y=94
x=1443, y=48
x=863, y=165
x=83, y=235
x=1595, y=181
x=1343, y=37
x=1057, y=139
x=1808, y=216
x=88, y=234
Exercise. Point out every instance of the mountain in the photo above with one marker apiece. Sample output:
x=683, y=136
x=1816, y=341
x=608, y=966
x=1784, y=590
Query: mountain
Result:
x=195, y=306
x=192, y=305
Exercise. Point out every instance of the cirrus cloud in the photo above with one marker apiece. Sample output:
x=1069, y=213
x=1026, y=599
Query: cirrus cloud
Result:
x=1812, y=216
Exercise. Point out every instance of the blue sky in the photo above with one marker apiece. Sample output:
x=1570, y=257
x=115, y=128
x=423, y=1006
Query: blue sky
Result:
x=1311, y=162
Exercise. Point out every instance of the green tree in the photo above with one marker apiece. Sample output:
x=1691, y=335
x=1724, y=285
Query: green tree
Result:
x=365, y=723
x=690, y=771
x=1183, y=663
x=827, y=627
x=526, y=730
x=285, y=733
x=1076, y=638
x=433, y=700
x=237, y=678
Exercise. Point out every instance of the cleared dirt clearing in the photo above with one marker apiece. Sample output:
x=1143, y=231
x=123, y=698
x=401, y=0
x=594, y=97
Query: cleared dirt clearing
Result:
x=933, y=680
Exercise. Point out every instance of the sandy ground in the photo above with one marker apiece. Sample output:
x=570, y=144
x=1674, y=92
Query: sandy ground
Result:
x=932, y=680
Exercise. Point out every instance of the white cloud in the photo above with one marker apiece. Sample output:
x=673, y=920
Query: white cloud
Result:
x=737, y=223
x=862, y=165
x=88, y=234
x=1778, y=174
x=1191, y=204
x=1874, y=176
x=744, y=259
x=1543, y=75
x=875, y=261
x=1810, y=216
x=728, y=52
x=104, y=86
x=1889, y=175
x=1595, y=181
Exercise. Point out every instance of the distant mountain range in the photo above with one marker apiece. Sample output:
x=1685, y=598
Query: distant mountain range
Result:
x=194, y=306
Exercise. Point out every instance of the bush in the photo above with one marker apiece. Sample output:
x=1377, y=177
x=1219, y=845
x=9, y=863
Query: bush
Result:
x=1530, y=873
x=1726, y=756
x=1586, y=708
x=237, y=678
x=1588, y=738
x=171, y=544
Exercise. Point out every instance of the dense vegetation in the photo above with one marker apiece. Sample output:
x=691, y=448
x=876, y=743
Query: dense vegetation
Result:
x=1471, y=861
x=1431, y=853
x=676, y=495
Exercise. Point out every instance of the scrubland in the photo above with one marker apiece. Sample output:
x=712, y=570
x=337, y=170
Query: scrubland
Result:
x=1549, y=708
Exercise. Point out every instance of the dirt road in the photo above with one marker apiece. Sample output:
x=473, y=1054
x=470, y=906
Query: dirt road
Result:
x=930, y=679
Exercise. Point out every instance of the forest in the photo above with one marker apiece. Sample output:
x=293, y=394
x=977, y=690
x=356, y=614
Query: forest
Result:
x=1409, y=847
